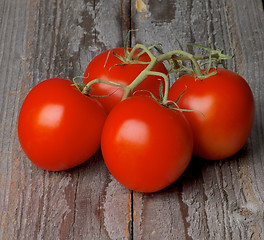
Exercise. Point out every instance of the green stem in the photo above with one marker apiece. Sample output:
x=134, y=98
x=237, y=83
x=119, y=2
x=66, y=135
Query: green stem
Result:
x=143, y=47
x=173, y=54
x=202, y=57
x=144, y=73
x=98, y=80
x=154, y=60
x=166, y=83
x=169, y=55
x=177, y=55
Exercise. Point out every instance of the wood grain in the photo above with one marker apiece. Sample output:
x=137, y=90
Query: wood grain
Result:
x=57, y=38
x=212, y=200
x=39, y=40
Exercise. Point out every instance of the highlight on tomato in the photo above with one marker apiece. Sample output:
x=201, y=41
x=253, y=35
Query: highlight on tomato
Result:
x=58, y=126
x=145, y=145
x=223, y=113
x=113, y=65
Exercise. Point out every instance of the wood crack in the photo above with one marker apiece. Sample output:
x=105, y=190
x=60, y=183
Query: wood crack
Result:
x=75, y=204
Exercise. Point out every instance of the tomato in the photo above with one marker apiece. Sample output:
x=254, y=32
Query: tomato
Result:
x=226, y=107
x=58, y=126
x=145, y=145
x=103, y=67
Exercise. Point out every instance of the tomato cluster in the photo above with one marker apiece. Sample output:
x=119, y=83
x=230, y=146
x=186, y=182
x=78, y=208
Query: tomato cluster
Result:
x=148, y=139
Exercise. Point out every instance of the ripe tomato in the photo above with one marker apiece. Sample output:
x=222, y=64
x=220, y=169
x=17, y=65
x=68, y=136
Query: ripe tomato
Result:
x=227, y=106
x=145, y=145
x=102, y=66
x=58, y=126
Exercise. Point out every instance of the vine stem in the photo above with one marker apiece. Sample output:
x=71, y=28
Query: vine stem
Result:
x=153, y=61
x=98, y=80
x=170, y=55
x=178, y=55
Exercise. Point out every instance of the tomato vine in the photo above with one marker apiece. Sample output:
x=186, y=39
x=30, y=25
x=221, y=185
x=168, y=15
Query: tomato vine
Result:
x=177, y=56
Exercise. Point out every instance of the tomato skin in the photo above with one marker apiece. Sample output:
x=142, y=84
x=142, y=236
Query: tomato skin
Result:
x=102, y=66
x=58, y=126
x=227, y=103
x=146, y=146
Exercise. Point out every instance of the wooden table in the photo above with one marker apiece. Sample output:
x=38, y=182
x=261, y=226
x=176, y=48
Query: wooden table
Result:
x=40, y=39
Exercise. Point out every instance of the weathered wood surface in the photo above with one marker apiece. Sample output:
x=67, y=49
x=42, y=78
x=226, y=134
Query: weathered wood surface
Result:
x=212, y=200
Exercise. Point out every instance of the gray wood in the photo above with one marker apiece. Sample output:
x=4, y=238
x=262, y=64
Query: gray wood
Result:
x=212, y=200
x=39, y=40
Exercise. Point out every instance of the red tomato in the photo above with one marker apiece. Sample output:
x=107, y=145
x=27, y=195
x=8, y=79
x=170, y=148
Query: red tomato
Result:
x=102, y=66
x=58, y=126
x=145, y=145
x=227, y=106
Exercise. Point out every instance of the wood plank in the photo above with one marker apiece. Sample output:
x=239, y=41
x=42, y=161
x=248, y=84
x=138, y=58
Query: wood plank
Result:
x=39, y=40
x=212, y=200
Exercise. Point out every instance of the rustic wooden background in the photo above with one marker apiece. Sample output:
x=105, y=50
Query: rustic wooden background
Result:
x=40, y=39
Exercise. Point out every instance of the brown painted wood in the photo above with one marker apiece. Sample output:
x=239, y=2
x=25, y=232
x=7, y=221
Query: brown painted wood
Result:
x=212, y=200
